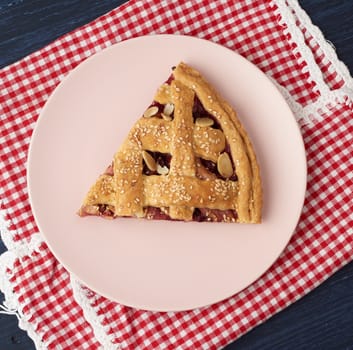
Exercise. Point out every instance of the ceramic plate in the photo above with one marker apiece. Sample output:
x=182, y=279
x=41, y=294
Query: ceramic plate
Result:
x=159, y=265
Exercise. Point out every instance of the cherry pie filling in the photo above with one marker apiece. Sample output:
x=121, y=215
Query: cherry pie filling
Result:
x=211, y=167
x=106, y=210
x=198, y=111
x=162, y=162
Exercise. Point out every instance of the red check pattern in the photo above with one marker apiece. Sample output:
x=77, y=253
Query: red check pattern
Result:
x=43, y=289
x=323, y=241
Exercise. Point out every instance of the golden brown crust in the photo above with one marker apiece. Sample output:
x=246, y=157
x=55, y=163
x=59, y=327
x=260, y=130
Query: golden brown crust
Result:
x=186, y=185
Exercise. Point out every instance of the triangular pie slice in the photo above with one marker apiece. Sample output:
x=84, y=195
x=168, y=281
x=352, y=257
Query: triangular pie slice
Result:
x=187, y=158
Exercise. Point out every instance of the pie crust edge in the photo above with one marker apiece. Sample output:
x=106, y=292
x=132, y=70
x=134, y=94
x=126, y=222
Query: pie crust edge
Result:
x=249, y=199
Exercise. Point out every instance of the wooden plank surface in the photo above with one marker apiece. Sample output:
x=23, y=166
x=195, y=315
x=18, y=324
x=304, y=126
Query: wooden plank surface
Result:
x=321, y=320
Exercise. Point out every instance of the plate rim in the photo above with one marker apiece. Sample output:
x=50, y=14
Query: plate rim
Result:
x=61, y=85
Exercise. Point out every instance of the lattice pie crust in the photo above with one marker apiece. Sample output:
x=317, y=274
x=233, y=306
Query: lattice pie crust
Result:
x=187, y=158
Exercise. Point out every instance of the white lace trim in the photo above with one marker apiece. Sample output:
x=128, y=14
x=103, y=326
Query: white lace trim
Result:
x=307, y=114
x=100, y=331
x=314, y=111
x=344, y=95
x=11, y=305
x=326, y=45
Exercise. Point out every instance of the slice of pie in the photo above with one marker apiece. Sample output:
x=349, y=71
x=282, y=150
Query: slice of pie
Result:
x=187, y=158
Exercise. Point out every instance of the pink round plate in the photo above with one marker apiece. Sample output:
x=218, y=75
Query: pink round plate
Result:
x=165, y=266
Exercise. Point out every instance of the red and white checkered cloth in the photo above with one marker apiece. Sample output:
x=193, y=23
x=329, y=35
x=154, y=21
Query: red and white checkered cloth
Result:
x=277, y=37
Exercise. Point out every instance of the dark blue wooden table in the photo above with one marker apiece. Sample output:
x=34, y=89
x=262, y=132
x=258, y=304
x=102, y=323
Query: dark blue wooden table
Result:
x=323, y=319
